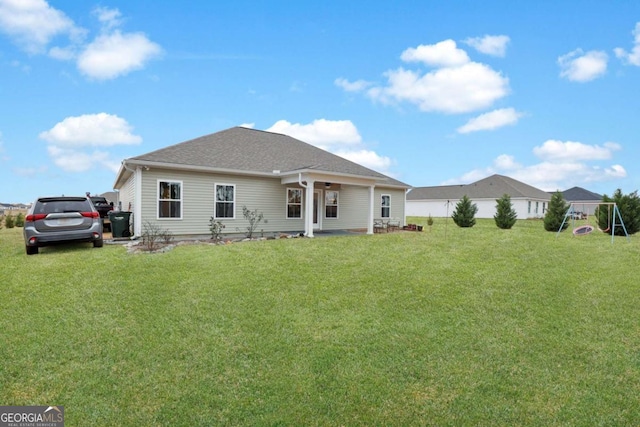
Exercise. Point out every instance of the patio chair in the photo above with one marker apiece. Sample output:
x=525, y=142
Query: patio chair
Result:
x=393, y=224
x=379, y=226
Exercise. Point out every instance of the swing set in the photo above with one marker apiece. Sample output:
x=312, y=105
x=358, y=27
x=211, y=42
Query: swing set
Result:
x=613, y=214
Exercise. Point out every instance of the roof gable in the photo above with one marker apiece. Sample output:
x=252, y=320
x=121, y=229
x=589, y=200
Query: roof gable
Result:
x=248, y=150
x=580, y=194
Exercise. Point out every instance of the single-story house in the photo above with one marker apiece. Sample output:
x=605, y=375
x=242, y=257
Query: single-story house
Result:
x=582, y=199
x=296, y=186
x=441, y=201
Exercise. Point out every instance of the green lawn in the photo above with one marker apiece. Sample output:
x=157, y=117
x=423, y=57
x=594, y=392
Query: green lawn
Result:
x=448, y=327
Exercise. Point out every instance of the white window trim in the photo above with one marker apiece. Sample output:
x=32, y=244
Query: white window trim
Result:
x=158, y=199
x=337, y=205
x=383, y=206
x=286, y=203
x=215, y=200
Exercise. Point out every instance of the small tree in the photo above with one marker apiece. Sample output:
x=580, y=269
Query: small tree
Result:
x=554, y=216
x=506, y=216
x=216, y=228
x=20, y=220
x=464, y=215
x=629, y=208
x=151, y=235
x=254, y=217
x=1, y=221
x=429, y=222
x=9, y=221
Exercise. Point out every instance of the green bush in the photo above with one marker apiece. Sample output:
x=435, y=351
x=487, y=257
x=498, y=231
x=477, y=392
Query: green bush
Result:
x=506, y=216
x=9, y=221
x=20, y=220
x=464, y=215
x=555, y=214
x=629, y=207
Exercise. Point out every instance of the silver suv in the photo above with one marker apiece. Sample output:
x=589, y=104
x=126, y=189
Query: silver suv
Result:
x=52, y=220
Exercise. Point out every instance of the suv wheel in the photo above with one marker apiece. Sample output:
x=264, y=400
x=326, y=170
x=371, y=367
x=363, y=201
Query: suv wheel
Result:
x=31, y=250
x=98, y=243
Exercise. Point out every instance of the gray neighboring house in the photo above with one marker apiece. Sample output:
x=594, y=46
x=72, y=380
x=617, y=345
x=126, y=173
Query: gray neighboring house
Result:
x=440, y=201
x=578, y=195
x=297, y=186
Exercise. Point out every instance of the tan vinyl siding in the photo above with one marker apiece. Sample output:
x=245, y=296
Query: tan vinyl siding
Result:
x=268, y=195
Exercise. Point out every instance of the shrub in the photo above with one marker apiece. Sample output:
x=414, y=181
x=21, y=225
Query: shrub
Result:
x=464, y=215
x=9, y=221
x=254, y=217
x=151, y=235
x=554, y=216
x=629, y=207
x=506, y=216
x=20, y=220
x=216, y=228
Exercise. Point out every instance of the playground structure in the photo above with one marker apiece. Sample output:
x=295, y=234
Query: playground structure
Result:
x=614, y=219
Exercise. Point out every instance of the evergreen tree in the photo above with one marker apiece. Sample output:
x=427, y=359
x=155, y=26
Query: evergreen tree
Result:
x=9, y=221
x=555, y=214
x=20, y=220
x=629, y=207
x=464, y=215
x=506, y=215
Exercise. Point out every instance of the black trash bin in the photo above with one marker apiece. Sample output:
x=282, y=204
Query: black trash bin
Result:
x=120, y=223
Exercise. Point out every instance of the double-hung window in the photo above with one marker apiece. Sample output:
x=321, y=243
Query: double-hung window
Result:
x=169, y=199
x=331, y=204
x=386, y=206
x=294, y=203
x=225, y=203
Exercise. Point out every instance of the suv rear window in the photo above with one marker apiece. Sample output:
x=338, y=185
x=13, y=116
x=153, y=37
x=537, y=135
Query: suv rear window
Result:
x=50, y=205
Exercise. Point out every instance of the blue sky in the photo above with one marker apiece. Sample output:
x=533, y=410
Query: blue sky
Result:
x=429, y=92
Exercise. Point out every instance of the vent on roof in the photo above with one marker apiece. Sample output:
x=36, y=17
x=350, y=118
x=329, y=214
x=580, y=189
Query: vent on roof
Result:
x=276, y=171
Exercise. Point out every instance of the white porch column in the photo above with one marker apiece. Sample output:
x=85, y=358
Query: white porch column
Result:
x=371, y=207
x=308, y=219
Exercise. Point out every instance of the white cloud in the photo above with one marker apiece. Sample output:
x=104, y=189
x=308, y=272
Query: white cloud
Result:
x=563, y=165
x=116, y=54
x=70, y=141
x=632, y=57
x=247, y=125
x=554, y=150
x=340, y=137
x=490, y=45
x=109, y=18
x=367, y=158
x=442, y=54
x=578, y=66
x=321, y=132
x=357, y=86
x=100, y=129
x=462, y=89
x=32, y=24
x=492, y=120
x=456, y=85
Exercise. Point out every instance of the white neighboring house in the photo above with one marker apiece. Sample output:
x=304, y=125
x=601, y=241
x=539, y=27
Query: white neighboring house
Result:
x=440, y=201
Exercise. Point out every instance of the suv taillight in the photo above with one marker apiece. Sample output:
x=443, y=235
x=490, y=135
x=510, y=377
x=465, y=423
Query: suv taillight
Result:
x=90, y=214
x=35, y=217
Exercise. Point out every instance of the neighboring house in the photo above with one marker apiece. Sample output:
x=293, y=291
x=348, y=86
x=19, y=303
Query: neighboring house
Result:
x=440, y=201
x=578, y=196
x=298, y=187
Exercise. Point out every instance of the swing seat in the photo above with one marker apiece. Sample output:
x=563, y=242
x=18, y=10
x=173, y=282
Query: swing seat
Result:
x=582, y=230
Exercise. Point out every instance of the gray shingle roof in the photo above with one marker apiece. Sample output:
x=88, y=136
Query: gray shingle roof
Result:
x=580, y=194
x=249, y=150
x=492, y=187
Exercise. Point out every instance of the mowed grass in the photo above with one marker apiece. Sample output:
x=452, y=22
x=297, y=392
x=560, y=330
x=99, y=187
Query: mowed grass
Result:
x=447, y=327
